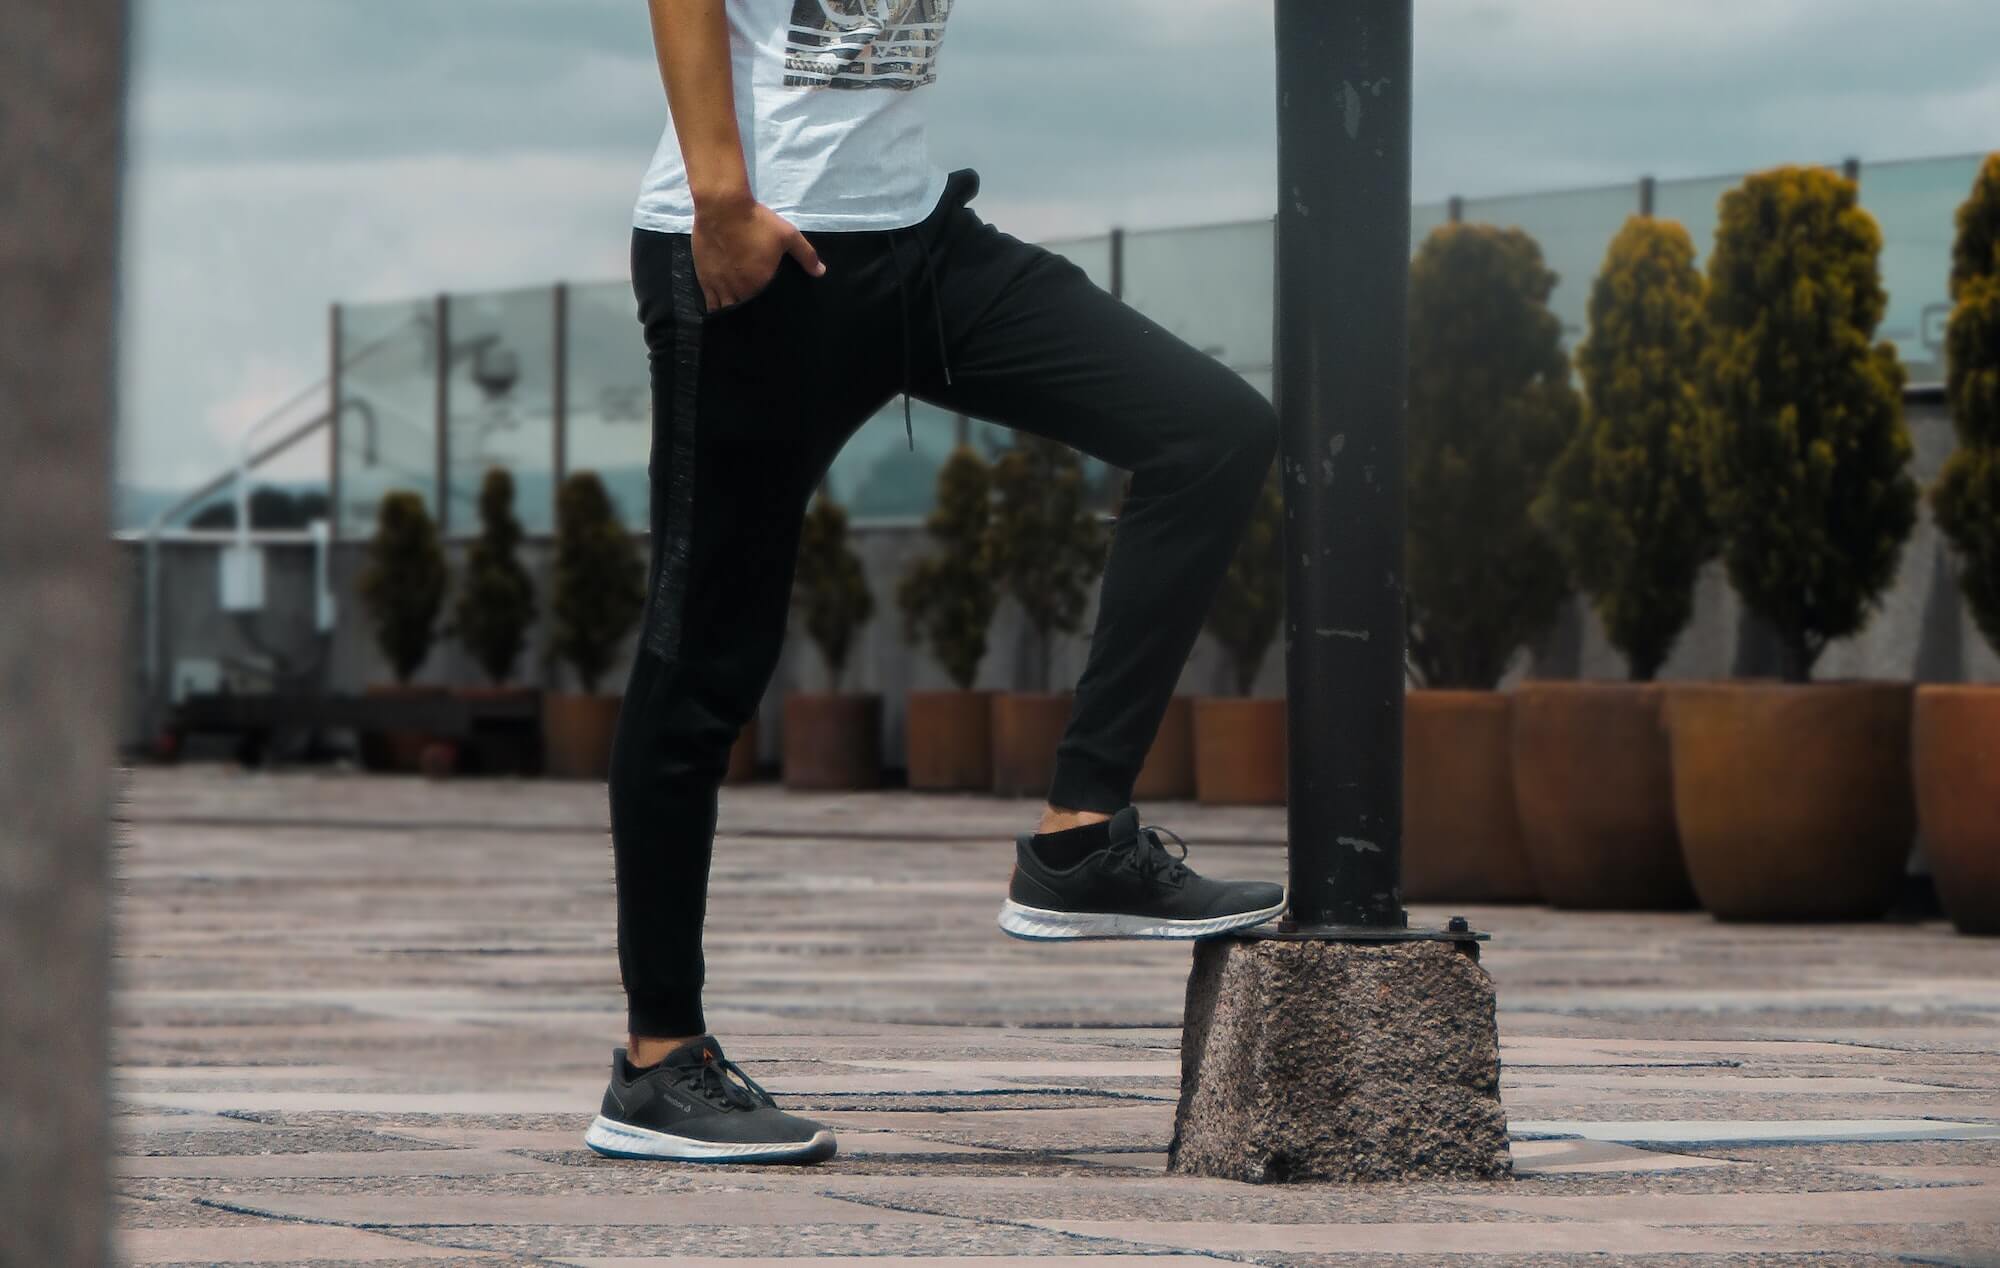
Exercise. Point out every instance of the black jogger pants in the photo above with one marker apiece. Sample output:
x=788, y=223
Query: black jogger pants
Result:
x=750, y=405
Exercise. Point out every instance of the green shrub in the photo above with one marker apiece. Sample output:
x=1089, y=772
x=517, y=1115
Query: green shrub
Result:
x=1625, y=503
x=1976, y=251
x=600, y=579
x=1804, y=452
x=496, y=604
x=1048, y=546
x=1967, y=495
x=404, y=582
x=948, y=599
x=830, y=587
x=1490, y=409
x=1251, y=603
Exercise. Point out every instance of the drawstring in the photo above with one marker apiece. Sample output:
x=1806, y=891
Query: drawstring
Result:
x=937, y=310
x=903, y=318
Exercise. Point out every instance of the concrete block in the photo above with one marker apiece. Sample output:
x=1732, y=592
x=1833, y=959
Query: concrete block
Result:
x=1339, y=1061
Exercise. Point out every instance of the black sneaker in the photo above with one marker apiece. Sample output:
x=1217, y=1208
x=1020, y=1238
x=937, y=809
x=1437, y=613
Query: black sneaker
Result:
x=689, y=1108
x=1135, y=888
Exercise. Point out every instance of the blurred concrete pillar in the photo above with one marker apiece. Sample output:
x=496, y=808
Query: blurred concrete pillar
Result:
x=62, y=76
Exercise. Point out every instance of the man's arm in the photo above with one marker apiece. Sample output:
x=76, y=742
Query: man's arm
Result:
x=737, y=241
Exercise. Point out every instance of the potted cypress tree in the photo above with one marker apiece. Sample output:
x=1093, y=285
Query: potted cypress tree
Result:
x=599, y=591
x=1239, y=741
x=1956, y=740
x=1626, y=508
x=1048, y=546
x=947, y=603
x=495, y=607
x=402, y=588
x=1491, y=407
x=1794, y=800
x=833, y=738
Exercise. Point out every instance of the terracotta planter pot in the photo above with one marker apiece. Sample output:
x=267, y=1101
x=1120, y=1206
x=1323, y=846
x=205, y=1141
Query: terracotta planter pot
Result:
x=401, y=751
x=833, y=741
x=1026, y=728
x=1794, y=800
x=1461, y=835
x=1955, y=756
x=1239, y=751
x=577, y=731
x=743, y=755
x=1168, y=774
x=1594, y=788
x=949, y=739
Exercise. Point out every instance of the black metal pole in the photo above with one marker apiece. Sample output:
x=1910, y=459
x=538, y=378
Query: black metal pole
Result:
x=1343, y=250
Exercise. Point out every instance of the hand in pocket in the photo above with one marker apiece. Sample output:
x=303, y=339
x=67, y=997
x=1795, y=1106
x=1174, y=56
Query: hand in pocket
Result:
x=738, y=252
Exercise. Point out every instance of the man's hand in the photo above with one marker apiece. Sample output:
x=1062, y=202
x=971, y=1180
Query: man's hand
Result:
x=738, y=248
x=738, y=242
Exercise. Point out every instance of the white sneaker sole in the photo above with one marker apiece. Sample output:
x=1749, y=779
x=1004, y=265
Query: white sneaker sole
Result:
x=623, y=1140
x=1038, y=925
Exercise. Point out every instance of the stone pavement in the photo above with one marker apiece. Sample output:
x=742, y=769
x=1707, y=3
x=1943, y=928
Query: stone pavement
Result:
x=366, y=1020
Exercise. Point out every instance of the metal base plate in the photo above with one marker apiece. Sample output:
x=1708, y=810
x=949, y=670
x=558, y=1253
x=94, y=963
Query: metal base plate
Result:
x=1284, y=931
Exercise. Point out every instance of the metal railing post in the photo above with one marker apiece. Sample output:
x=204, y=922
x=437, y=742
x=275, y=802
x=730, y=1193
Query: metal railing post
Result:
x=559, y=460
x=333, y=427
x=443, y=438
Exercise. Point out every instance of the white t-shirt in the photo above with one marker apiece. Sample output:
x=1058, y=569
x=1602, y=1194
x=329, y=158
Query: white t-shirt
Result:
x=829, y=100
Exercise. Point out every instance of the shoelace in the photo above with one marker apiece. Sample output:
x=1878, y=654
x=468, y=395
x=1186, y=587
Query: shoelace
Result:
x=1151, y=858
x=715, y=1082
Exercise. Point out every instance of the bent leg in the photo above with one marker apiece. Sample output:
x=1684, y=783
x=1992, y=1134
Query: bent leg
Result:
x=1053, y=354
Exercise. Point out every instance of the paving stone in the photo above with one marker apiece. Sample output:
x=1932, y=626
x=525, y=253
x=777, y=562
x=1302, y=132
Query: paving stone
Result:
x=897, y=1145
x=1877, y=1206
x=1053, y=1130
x=271, y=1244
x=922, y=1242
x=1775, y=1131
x=1152, y=1162
x=266, y=1140
x=739, y=1208
x=1578, y=1157
x=1593, y=1238
x=419, y=1162
x=897, y=1261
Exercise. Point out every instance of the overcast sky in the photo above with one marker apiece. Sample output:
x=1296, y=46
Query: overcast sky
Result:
x=285, y=155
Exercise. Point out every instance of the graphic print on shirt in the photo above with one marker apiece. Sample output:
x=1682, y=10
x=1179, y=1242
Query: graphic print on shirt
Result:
x=864, y=43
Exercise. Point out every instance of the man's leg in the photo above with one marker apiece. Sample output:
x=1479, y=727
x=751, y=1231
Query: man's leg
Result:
x=1034, y=344
x=1055, y=355
x=749, y=406
x=725, y=523
x=746, y=418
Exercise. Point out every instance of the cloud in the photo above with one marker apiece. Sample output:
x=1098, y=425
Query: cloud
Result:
x=233, y=265
x=288, y=155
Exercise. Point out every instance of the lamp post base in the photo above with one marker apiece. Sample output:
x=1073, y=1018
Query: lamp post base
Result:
x=1307, y=1059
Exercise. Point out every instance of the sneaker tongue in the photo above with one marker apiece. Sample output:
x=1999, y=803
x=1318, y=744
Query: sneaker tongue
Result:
x=1124, y=825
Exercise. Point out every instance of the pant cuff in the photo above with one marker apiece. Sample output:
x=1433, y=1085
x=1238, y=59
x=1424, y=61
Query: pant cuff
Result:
x=1083, y=783
x=665, y=1020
